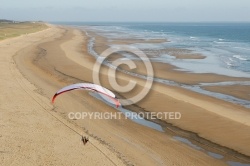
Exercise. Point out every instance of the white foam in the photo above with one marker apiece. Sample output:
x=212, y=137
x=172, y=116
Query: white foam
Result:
x=229, y=64
x=240, y=57
x=219, y=42
x=243, y=48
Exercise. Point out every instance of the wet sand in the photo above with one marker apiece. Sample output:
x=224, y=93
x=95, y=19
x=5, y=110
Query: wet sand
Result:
x=177, y=53
x=59, y=57
x=239, y=91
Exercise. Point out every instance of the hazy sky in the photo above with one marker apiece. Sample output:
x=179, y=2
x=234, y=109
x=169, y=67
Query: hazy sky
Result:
x=129, y=10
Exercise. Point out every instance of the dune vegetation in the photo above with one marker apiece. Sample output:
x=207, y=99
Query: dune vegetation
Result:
x=13, y=29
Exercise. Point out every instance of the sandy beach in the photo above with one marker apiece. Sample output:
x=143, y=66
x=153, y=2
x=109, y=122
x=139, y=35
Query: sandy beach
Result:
x=33, y=131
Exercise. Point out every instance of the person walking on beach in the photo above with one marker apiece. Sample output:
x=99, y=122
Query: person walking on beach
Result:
x=84, y=140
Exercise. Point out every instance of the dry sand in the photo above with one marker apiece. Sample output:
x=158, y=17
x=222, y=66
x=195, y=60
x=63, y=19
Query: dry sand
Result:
x=33, y=132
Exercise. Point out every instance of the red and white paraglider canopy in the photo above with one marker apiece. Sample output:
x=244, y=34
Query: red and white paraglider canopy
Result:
x=92, y=87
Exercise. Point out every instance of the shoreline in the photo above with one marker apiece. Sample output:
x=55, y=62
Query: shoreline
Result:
x=44, y=69
x=169, y=74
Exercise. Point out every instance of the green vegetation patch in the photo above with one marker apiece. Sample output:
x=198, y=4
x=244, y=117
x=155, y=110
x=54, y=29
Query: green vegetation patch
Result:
x=13, y=29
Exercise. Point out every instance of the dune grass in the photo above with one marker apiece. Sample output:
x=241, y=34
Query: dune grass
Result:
x=8, y=30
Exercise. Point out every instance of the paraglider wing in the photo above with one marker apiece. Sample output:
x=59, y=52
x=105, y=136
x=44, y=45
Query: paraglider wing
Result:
x=91, y=87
